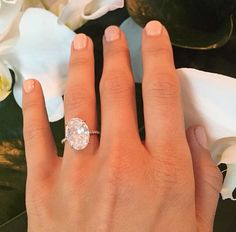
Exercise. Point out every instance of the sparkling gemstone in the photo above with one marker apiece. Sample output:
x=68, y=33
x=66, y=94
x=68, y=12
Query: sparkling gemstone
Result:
x=77, y=133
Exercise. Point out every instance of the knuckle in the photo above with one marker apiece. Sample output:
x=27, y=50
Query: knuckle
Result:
x=121, y=172
x=164, y=51
x=34, y=132
x=78, y=97
x=117, y=83
x=117, y=51
x=168, y=172
x=166, y=88
x=81, y=60
x=29, y=105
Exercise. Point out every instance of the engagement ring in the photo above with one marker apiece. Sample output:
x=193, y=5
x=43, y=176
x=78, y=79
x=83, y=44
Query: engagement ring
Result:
x=77, y=134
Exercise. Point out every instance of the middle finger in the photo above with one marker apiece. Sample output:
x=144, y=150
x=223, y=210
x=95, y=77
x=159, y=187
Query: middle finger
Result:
x=117, y=90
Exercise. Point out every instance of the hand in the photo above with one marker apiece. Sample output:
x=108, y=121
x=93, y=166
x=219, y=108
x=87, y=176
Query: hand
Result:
x=120, y=184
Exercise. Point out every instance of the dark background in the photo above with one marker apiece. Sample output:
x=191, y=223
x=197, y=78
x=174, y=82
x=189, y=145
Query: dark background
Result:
x=221, y=60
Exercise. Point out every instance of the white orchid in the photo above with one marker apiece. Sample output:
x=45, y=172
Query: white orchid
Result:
x=34, y=45
x=74, y=13
x=31, y=51
x=9, y=21
x=5, y=81
x=206, y=98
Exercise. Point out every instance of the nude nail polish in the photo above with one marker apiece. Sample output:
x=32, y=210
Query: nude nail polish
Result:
x=80, y=41
x=112, y=33
x=154, y=28
x=28, y=85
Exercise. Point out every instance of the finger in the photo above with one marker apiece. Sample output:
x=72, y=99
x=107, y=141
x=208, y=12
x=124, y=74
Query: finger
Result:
x=161, y=88
x=208, y=178
x=117, y=89
x=40, y=148
x=80, y=98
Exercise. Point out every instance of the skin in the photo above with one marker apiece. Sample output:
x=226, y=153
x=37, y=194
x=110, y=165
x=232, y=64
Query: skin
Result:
x=119, y=183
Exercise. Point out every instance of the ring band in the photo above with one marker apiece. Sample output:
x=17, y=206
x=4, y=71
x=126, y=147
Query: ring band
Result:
x=78, y=134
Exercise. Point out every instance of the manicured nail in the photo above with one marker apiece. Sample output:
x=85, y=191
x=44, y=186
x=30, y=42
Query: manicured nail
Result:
x=201, y=137
x=80, y=41
x=29, y=85
x=112, y=33
x=154, y=28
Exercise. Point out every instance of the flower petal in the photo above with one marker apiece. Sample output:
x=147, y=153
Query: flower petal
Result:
x=9, y=38
x=55, y=108
x=134, y=34
x=8, y=14
x=42, y=52
x=229, y=182
x=76, y=13
x=32, y=3
x=224, y=150
x=5, y=81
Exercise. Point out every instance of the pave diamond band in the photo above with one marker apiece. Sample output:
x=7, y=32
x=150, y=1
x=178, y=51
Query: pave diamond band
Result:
x=77, y=134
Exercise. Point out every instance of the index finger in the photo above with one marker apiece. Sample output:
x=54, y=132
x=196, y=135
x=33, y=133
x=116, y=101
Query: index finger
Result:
x=161, y=88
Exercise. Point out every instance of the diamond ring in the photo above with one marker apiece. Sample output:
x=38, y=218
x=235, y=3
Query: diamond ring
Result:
x=77, y=134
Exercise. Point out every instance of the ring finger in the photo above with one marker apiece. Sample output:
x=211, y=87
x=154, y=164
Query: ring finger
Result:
x=80, y=97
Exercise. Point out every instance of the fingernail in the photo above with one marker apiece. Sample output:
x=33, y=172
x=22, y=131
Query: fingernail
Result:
x=28, y=85
x=201, y=137
x=154, y=28
x=80, y=41
x=112, y=33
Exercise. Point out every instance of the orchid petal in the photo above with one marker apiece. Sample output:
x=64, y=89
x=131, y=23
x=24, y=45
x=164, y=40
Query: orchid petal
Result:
x=224, y=150
x=32, y=3
x=42, y=52
x=9, y=38
x=76, y=13
x=8, y=14
x=55, y=108
x=229, y=155
x=5, y=81
x=229, y=182
x=133, y=34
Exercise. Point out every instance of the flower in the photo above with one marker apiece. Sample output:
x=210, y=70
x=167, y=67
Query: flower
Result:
x=224, y=152
x=32, y=52
x=9, y=22
x=74, y=13
x=28, y=48
x=5, y=81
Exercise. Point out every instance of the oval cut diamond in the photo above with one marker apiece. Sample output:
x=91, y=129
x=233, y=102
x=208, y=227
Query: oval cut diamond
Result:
x=77, y=133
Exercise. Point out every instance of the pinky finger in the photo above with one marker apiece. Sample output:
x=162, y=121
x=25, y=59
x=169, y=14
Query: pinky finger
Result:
x=40, y=147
